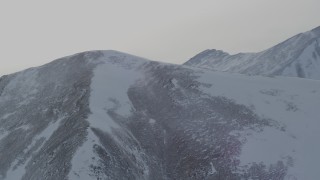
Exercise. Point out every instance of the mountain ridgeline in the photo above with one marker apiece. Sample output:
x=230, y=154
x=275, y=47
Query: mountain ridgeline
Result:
x=110, y=115
x=298, y=56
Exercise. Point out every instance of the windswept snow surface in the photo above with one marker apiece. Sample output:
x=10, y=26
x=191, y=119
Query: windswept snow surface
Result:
x=292, y=103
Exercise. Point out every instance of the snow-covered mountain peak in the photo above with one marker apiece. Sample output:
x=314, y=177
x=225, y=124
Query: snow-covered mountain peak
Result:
x=214, y=52
x=98, y=56
x=298, y=56
x=207, y=54
x=111, y=115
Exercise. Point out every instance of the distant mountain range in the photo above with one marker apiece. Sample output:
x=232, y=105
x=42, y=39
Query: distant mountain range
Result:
x=110, y=115
x=298, y=56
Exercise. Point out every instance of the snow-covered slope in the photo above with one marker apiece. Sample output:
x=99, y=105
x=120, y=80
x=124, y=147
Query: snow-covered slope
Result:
x=298, y=56
x=110, y=115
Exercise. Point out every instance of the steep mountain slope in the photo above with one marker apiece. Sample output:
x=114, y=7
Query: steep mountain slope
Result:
x=298, y=56
x=110, y=115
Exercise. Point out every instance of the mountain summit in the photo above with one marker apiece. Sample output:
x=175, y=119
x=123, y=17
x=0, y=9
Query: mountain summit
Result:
x=110, y=115
x=298, y=56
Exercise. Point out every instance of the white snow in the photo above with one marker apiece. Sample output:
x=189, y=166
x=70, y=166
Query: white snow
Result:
x=47, y=133
x=109, y=87
x=24, y=127
x=7, y=115
x=109, y=90
x=213, y=170
x=152, y=121
x=18, y=171
x=268, y=147
x=175, y=83
x=3, y=132
x=164, y=137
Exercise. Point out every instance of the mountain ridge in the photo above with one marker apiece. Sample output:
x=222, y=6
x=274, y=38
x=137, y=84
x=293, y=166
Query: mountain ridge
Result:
x=298, y=56
x=111, y=115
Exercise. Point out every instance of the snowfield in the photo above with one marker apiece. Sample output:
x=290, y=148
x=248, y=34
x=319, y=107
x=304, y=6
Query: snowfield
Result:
x=292, y=103
x=111, y=115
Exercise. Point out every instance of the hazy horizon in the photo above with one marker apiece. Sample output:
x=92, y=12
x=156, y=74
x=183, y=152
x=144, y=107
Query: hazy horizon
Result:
x=35, y=32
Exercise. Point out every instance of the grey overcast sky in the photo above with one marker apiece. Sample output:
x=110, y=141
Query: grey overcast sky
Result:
x=35, y=32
